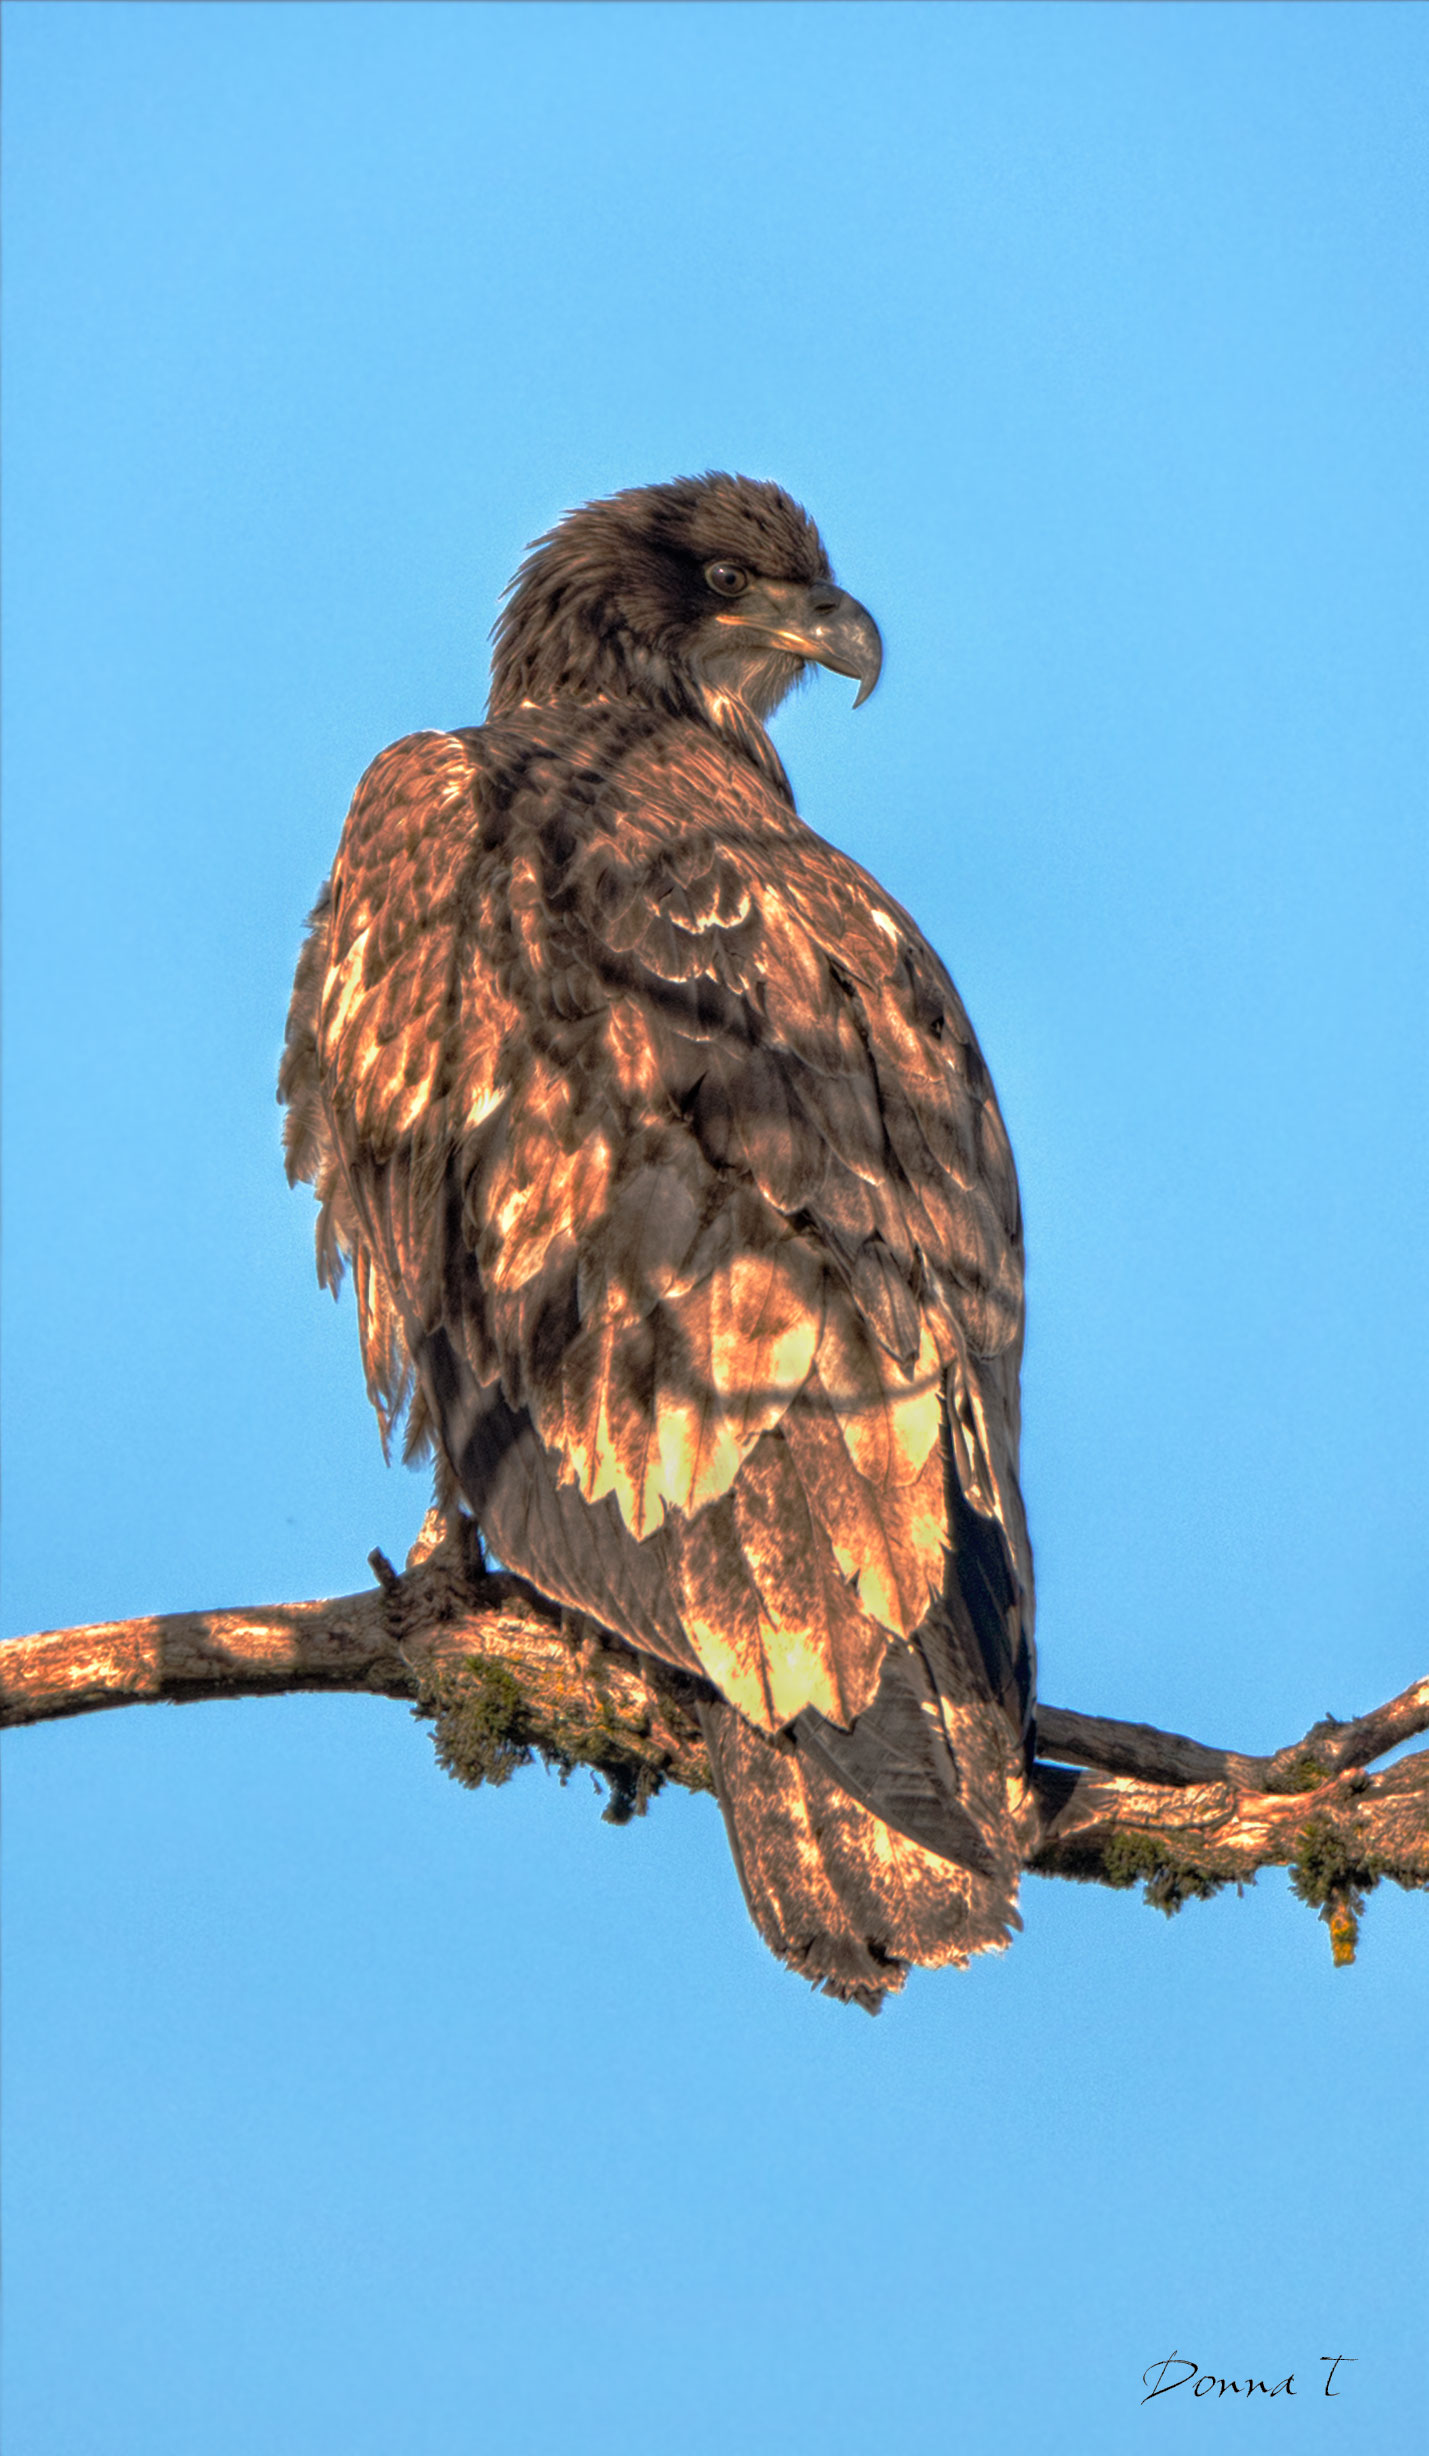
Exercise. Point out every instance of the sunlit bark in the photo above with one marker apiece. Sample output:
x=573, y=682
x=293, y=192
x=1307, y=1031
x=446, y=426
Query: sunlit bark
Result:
x=506, y=1678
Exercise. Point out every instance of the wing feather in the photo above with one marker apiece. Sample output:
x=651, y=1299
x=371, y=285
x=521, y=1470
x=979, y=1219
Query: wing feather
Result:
x=663, y=1114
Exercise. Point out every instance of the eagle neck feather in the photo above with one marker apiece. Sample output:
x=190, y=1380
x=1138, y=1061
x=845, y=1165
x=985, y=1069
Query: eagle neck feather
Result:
x=557, y=642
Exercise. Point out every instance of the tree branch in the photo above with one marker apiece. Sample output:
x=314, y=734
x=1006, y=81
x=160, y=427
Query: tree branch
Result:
x=506, y=1677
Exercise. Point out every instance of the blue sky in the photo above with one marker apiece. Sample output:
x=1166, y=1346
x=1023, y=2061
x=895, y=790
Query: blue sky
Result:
x=347, y=2112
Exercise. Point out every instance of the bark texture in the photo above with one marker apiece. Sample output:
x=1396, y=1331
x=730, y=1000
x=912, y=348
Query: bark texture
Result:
x=506, y=1678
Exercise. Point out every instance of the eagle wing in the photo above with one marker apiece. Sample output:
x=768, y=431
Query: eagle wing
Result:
x=664, y=1118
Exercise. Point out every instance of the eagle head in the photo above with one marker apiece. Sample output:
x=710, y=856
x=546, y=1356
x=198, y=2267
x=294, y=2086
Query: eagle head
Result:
x=706, y=597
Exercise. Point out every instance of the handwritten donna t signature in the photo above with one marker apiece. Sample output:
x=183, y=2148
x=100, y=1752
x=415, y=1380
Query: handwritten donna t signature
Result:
x=1207, y=2383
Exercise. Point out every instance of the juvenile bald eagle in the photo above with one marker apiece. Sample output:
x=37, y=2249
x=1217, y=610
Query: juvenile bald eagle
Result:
x=682, y=1217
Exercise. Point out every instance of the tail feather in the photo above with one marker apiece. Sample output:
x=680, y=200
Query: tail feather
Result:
x=838, y=1894
x=898, y=1761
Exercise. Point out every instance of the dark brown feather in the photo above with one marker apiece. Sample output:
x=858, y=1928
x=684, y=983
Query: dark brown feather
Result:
x=683, y=1215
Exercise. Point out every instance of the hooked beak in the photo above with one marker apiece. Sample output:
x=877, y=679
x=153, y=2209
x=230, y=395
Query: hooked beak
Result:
x=819, y=622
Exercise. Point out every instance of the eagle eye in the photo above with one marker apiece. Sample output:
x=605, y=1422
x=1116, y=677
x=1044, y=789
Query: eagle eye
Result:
x=726, y=579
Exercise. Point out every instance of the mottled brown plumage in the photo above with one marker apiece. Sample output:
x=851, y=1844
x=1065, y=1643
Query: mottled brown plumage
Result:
x=682, y=1218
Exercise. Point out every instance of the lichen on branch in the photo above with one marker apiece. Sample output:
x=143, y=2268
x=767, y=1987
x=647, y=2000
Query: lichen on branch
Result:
x=506, y=1678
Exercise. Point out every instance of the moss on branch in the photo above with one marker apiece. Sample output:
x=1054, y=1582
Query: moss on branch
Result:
x=506, y=1680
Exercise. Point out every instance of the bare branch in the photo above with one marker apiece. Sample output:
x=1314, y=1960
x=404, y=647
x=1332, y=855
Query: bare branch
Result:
x=342, y=1643
x=1163, y=1756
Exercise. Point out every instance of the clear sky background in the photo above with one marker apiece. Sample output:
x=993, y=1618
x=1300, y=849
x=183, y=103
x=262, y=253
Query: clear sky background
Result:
x=350, y=2114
